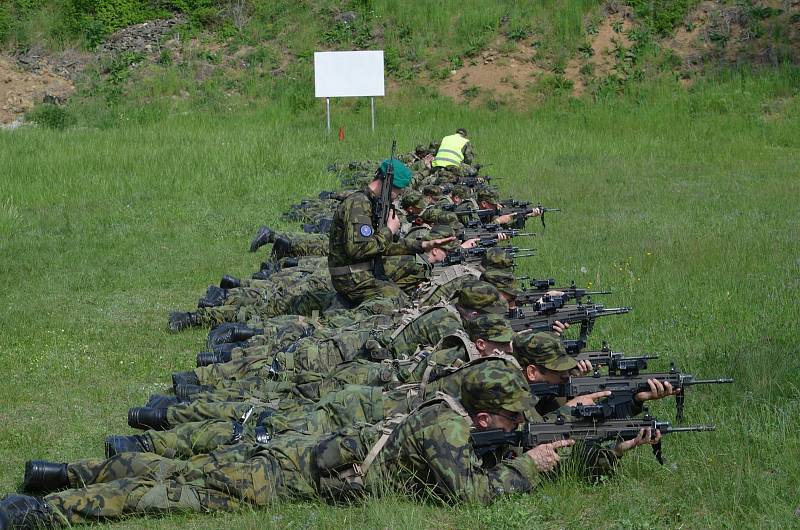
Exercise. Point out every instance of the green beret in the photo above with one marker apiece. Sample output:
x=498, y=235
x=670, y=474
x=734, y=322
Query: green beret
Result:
x=503, y=279
x=489, y=327
x=542, y=349
x=494, y=387
x=482, y=297
x=402, y=174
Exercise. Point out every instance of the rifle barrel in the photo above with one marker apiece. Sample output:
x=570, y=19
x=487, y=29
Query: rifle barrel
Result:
x=720, y=381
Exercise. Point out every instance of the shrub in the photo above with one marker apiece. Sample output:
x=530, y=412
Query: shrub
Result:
x=51, y=116
x=6, y=22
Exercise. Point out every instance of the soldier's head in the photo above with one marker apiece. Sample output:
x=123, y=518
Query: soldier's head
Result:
x=490, y=333
x=487, y=198
x=497, y=258
x=479, y=298
x=412, y=202
x=506, y=283
x=460, y=193
x=462, y=131
x=542, y=357
x=496, y=396
x=438, y=254
x=431, y=193
x=401, y=177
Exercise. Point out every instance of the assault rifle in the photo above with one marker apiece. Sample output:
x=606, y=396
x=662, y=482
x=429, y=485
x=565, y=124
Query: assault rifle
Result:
x=531, y=295
x=616, y=362
x=538, y=285
x=383, y=207
x=542, y=315
x=588, y=430
x=624, y=388
x=473, y=181
x=523, y=318
x=475, y=255
x=490, y=231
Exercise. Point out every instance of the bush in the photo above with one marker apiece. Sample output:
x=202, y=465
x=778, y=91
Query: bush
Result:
x=51, y=116
x=662, y=16
x=6, y=22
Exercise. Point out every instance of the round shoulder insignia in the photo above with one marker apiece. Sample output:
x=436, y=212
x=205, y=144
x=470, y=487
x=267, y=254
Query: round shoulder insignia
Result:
x=365, y=230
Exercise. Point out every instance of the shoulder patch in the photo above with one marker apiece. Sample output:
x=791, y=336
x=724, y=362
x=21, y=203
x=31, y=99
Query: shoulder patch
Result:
x=365, y=230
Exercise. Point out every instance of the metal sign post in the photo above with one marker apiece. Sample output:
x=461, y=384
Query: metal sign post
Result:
x=328, y=113
x=372, y=111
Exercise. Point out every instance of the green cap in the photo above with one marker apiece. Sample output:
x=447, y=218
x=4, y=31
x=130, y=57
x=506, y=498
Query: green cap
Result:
x=402, y=174
x=441, y=232
x=542, y=349
x=488, y=195
x=461, y=191
x=432, y=191
x=493, y=387
x=482, y=297
x=489, y=327
x=413, y=198
x=503, y=279
x=497, y=258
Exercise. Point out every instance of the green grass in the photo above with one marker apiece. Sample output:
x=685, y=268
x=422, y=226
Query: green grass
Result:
x=684, y=203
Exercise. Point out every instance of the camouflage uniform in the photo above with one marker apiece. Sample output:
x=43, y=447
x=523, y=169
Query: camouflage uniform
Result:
x=430, y=450
x=336, y=408
x=354, y=243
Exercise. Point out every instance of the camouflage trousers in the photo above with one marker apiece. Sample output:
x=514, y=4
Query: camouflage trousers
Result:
x=303, y=245
x=145, y=483
x=252, y=307
x=358, y=287
x=308, y=356
x=337, y=410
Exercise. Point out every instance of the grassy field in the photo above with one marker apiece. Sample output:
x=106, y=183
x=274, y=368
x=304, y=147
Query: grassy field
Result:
x=685, y=203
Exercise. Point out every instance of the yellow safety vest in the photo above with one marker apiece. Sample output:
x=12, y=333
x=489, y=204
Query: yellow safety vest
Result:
x=449, y=153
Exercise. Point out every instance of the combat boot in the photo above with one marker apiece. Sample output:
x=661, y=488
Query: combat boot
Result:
x=144, y=418
x=205, y=358
x=230, y=332
x=137, y=443
x=227, y=348
x=179, y=321
x=263, y=236
x=186, y=393
x=43, y=477
x=281, y=247
x=215, y=297
x=184, y=378
x=159, y=401
x=21, y=512
x=229, y=282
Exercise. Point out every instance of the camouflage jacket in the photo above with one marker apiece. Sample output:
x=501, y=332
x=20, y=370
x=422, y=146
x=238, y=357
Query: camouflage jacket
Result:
x=354, y=236
x=430, y=453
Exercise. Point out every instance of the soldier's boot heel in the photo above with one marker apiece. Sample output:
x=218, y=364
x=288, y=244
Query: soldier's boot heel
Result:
x=186, y=393
x=263, y=236
x=179, y=321
x=184, y=378
x=144, y=418
x=206, y=358
x=42, y=476
x=229, y=282
x=137, y=443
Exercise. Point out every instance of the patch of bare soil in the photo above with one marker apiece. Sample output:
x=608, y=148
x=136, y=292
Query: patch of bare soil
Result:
x=20, y=90
x=718, y=32
x=608, y=43
x=492, y=73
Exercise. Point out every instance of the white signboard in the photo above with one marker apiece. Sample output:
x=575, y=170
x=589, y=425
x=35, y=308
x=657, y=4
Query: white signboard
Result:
x=348, y=74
